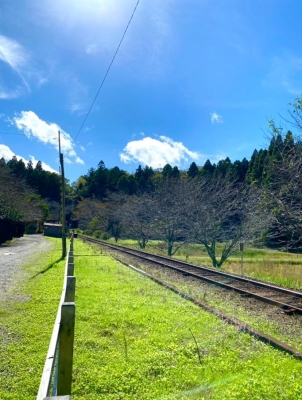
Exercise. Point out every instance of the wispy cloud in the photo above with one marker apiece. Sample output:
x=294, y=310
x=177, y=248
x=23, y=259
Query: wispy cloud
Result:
x=91, y=48
x=8, y=154
x=285, y=73
x=6, y=94
x=77, y=93
x=47, y=133
x=12, y=53
x=216, y=118
x=17, y=59
x=157, y=152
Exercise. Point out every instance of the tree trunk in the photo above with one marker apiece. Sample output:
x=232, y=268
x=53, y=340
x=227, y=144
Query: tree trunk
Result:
x=142, y=244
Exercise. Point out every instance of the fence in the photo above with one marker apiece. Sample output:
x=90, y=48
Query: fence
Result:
x=57, y=372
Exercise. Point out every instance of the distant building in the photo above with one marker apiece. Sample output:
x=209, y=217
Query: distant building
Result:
x=52, y=230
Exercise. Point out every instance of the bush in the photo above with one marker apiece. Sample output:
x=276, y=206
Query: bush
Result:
x=97, y=234
x=105, y=236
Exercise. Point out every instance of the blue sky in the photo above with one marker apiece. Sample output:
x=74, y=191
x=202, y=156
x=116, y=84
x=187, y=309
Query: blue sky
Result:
x=193, y=79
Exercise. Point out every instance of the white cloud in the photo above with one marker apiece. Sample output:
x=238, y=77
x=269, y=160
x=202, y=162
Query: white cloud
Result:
x=8, y=154
x=47, y=133
x=216, y=118
x=67, y=161
x=82, y=148
x=157, y=153
x=79, y=161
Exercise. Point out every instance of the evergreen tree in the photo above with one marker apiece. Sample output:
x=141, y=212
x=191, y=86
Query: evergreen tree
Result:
x=208, y=168
x=167, y=171
x=193, y=170
x=289, y=143
x=250, y=176
x=223, y=168
x=175, y=173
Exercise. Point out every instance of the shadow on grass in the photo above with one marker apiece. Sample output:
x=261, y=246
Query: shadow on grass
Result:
x=51, y=265
x=8, y=243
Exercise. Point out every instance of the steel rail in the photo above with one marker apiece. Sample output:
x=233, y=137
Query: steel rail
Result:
x=286, y=305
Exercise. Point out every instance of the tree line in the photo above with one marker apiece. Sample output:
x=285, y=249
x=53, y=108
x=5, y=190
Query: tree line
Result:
x=222, y=202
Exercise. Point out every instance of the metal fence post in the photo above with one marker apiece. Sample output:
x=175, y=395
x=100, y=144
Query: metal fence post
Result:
x=66, y=340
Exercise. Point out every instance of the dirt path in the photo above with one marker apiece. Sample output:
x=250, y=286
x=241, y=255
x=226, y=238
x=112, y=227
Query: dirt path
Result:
x=15, y=255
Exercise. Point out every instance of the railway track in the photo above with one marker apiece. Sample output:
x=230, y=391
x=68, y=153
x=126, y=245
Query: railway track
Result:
x=290, y=301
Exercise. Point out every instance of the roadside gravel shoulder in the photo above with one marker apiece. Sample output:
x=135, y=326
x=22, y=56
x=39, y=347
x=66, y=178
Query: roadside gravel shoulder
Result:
x=14, y=256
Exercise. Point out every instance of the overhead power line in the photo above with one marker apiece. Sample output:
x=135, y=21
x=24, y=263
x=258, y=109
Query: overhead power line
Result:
x=11, y=133
x=108, y=69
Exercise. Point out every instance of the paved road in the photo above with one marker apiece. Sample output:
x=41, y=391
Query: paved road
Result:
x=15, y=255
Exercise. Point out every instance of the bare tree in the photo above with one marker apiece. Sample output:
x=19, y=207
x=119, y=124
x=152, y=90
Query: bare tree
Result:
x=223, y=213
x=137, y=218
x=89, y=210
x=17, y=201
x=168, y=209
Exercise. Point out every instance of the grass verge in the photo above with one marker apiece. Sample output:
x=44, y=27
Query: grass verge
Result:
x=136, y=340
x=26, y=322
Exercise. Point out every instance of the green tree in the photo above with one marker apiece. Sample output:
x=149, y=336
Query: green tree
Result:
x=193, y=170
x=208, y=168
x=167, y=171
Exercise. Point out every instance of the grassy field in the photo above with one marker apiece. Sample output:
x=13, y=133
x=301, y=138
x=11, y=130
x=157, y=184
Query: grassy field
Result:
x=134, y=340
x=274, y=266
x=26, y=323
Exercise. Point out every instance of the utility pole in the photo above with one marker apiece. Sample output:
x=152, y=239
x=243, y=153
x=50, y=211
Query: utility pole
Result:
x=63, y=200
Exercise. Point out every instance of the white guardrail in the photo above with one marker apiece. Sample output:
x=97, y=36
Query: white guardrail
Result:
x=57, y=373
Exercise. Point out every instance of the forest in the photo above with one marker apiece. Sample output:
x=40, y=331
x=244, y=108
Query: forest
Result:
x=256, y=200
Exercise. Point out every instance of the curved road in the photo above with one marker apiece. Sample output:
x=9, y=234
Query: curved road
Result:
x=17, y=254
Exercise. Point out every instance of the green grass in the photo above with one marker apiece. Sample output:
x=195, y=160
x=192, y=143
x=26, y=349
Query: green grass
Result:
x=26, y=323
x=136, y=340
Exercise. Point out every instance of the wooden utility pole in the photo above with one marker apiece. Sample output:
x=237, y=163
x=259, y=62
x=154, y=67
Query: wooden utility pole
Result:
x=63, y=200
